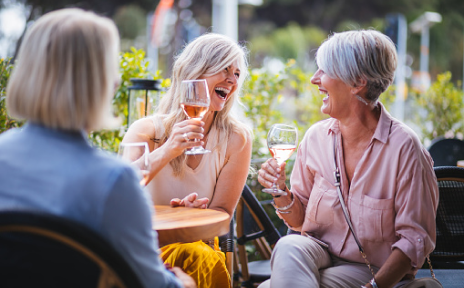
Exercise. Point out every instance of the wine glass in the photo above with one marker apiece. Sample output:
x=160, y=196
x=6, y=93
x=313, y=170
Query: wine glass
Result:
x=137, y=154
x=282, y=141
x=195, y=103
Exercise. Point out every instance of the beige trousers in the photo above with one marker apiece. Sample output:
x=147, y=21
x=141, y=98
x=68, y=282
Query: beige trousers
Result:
x=298, y=261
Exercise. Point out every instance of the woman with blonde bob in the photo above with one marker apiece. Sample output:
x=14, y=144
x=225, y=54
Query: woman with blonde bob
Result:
x=360, y=165
x=214, y=180
x=62, y=86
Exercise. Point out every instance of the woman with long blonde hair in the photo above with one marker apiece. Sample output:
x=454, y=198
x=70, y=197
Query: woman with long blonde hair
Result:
x=214, y=180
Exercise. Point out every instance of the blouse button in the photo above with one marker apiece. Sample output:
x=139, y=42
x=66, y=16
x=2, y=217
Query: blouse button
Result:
x=419, y=240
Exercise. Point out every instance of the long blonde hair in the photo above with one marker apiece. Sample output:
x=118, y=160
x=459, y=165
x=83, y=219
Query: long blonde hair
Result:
x=205, y=56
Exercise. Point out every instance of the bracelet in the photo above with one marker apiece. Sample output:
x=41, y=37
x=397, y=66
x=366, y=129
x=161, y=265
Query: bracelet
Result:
x=373, y=283
x=282, y=209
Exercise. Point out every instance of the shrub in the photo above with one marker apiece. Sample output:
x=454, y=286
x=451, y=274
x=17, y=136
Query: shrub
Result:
x=441, y=108
x=132, y=64
x=5, y=121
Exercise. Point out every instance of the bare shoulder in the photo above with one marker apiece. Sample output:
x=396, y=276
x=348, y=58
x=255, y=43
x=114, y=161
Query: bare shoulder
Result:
x=141, y=130
x=238, y=143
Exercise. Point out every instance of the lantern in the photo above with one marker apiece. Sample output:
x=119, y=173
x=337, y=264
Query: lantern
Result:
x=143, y=97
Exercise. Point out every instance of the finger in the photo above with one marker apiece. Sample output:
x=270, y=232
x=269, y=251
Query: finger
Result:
x=196, y=121
x=266, y=183
x=175, y=202
x=199, y=203
x=191, y=197
x=204, y=199
x=270, y=166
x=269, y=175
x=275, y=165
x=190, y=122
x=196, y=135
x=193, y=129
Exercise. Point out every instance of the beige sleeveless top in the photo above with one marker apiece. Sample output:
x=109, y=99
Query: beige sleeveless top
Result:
x=202, y=180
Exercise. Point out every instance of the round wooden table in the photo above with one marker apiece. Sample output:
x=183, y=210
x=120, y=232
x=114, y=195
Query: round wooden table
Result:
x=182, y=224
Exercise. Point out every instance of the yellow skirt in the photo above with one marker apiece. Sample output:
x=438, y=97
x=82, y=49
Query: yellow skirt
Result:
x=204, y=264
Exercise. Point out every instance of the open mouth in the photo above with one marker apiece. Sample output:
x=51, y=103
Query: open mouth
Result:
x=222, y=92
x=324, y=93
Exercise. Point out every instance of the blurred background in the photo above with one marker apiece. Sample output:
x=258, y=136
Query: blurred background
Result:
x=273, y=30
x=282, y=37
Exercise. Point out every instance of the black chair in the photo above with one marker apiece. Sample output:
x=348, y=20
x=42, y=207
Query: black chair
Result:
x=446, y=151
x=226, y=243
x=449, y=250
x=448, y=256
x=43, y=250
x=255, y=226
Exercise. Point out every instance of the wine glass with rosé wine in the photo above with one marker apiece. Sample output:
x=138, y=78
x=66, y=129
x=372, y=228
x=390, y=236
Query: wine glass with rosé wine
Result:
x=195, y=103
x=282, y=141
x=137, y=154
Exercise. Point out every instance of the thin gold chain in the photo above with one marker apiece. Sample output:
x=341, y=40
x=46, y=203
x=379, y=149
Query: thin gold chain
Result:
x=368, y=263
x=430, y=267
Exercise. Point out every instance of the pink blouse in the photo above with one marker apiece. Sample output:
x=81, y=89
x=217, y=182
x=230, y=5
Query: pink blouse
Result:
x=392, y=200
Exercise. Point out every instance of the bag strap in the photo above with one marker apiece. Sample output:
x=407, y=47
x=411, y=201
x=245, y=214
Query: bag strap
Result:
x=347, y=216
x=345, y=210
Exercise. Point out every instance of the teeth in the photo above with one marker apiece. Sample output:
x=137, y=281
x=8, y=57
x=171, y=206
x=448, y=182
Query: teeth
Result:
x=222, y=89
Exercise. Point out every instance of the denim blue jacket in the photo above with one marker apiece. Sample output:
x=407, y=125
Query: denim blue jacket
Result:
x=59, y=172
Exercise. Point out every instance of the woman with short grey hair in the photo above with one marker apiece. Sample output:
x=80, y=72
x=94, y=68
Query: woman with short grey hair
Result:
x=362, y=181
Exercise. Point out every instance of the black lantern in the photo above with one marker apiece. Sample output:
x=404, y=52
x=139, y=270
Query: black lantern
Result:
x=143, y=97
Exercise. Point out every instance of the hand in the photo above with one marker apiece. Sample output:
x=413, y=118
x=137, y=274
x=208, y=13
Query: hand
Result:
x=186, y=280
x=270, y=173
x=176, y=143
x=190, y=201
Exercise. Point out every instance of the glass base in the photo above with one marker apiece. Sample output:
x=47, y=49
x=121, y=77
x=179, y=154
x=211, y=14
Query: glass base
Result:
x=274, y=191
x=196, y=151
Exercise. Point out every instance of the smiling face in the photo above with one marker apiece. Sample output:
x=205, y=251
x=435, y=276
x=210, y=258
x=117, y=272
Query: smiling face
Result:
x=337, y=98
x=222, y=85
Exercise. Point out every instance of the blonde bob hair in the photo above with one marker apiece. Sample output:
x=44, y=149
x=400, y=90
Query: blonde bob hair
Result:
x=205, y=56
x=66, y=72
x=353, y=56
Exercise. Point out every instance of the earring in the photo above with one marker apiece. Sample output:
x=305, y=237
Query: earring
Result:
x=362, y=100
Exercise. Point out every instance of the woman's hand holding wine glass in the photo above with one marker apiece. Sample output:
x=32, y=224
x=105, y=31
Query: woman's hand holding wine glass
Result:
x=282, y=141
x=195, y=103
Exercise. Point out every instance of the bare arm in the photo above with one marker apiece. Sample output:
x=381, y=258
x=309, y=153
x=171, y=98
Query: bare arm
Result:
x=233, y=175
x=393, y=270
x=143, y=130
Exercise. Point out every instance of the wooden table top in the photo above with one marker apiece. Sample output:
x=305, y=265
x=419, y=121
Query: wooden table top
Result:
x=182, y=224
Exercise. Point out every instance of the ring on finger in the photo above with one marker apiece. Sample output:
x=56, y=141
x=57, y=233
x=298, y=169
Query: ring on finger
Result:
x=185, y=137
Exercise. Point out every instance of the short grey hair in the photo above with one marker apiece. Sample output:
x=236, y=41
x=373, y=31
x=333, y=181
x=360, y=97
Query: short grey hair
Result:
x=66, y=72
x=353, y=56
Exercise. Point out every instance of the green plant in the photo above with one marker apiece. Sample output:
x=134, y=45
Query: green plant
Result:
x=442, y=107
x=132, y=64
x=262, y=92
x=5, y=121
